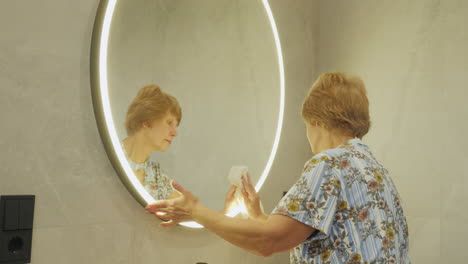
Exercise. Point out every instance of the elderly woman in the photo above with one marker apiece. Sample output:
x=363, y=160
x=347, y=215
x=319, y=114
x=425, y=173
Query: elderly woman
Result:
x=343, y=209
x=151, y=124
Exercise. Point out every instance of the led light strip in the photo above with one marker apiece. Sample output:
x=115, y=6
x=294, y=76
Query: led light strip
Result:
x=106, y=103
x=110, y=122
x=281, y=110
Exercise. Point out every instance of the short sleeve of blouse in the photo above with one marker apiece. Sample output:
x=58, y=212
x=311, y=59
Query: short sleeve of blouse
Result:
x=313, y=198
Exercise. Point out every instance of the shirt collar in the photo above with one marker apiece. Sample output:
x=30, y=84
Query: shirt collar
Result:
x=353, y=142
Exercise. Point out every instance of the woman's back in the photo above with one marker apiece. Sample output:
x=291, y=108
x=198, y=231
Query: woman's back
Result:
x=349, y=197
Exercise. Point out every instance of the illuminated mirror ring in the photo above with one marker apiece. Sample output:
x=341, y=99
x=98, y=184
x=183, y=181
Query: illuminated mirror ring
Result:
x=102, y=108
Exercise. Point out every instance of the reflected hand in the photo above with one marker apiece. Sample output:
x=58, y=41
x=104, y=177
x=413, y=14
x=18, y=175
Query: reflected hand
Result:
x=250, y=197
x=230, y=201
x=176, y=210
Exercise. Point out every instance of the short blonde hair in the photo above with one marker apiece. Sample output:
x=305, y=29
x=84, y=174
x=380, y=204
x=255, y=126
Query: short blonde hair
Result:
x=150, y=104
x=339, y=101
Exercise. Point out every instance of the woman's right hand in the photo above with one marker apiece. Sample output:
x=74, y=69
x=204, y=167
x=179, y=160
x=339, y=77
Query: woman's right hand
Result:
x=182, y=208
x=251, y=199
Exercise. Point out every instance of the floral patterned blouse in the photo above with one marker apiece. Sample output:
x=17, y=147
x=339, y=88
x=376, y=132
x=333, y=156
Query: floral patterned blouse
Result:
x=156, y=182
x=353, y=205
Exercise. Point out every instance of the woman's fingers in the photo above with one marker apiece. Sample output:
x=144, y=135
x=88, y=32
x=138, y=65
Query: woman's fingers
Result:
x=250, y=186
x=168, y=223
x=169, y=217
x=163, y=210
x=163, y=216
x=175, y=209
x=230, y=196
x=176, y=186
x=157, y=206
x=249, y=180
x=231, y=191
x=245, y=194
x=247, y=184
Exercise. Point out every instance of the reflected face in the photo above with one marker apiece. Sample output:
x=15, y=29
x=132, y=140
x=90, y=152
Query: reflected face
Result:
x=160, y=133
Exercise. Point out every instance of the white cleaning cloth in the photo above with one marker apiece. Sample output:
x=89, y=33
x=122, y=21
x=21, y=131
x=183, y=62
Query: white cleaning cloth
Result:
x=235, y=175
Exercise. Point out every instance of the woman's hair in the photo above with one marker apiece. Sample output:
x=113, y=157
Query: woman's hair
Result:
x=150, y=104
x=339, y=101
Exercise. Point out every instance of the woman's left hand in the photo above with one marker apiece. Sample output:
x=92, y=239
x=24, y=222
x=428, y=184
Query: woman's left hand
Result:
x=176, y=210
x=230, y=201
x=250, y=197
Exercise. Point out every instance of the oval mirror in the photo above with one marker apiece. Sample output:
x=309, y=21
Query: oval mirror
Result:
x=221, y=59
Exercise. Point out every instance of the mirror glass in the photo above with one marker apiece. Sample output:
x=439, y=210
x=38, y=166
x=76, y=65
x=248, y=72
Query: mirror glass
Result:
x=220, y=60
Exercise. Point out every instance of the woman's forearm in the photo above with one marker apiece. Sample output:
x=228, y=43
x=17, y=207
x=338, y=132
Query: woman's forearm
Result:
x=248, y=234
x=262, y=218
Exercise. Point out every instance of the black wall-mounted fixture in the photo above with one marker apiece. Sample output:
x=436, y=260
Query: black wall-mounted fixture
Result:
x=16, y=224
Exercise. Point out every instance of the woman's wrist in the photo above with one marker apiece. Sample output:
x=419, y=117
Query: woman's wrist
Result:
x=196, y=209
x=260, y=216
x=263, y=217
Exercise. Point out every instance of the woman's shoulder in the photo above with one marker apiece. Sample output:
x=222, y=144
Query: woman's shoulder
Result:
x=319, y=160
x=326, y=156
x=326, y=159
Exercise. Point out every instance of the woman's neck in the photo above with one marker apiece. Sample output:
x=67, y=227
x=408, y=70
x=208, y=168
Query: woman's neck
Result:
x=331, y=141
x=136, y=149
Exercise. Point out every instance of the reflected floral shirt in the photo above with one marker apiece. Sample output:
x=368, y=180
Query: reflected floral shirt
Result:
x=157, y=183
x=348, y=197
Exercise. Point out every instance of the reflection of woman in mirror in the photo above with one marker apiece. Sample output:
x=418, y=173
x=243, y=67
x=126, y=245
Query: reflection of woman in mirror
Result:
x=343, y=209
x=151, y=124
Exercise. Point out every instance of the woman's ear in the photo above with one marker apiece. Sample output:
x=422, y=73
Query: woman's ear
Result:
x=315, y=123
x=145, y=124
